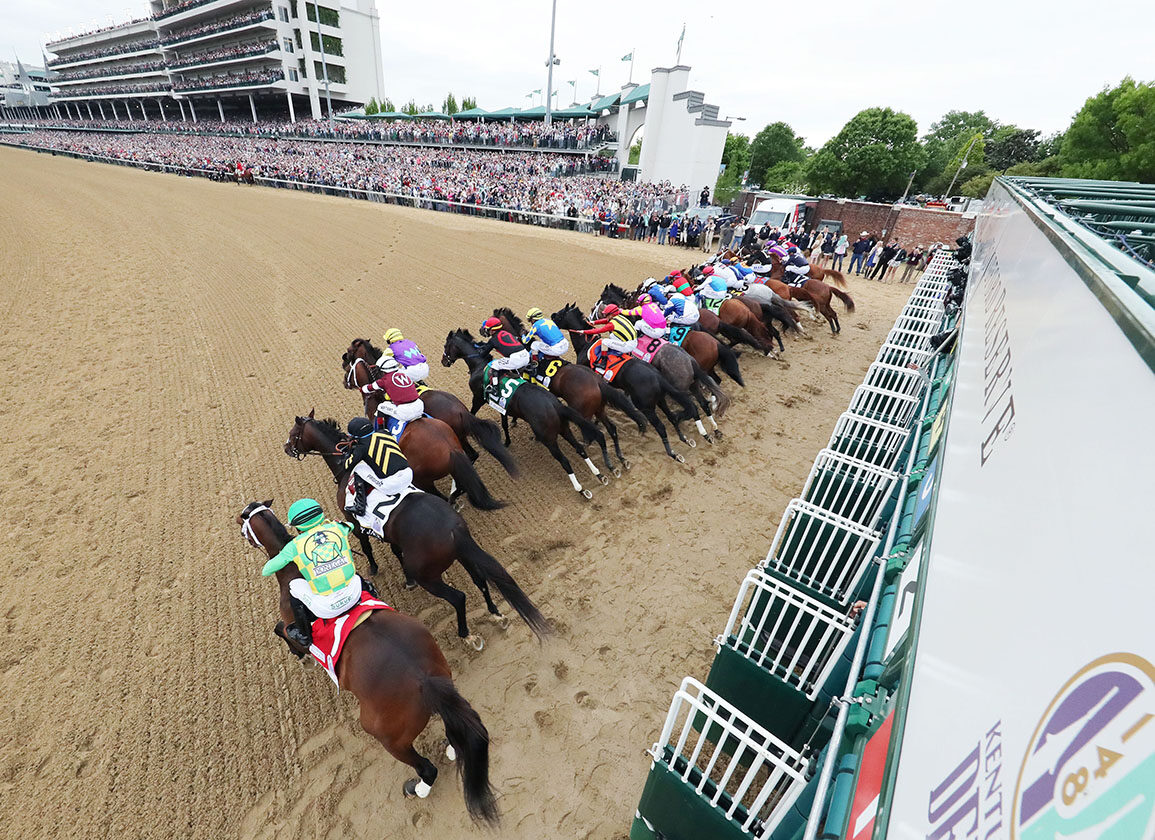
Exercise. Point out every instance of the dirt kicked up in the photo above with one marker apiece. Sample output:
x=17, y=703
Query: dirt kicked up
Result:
x=159, y=335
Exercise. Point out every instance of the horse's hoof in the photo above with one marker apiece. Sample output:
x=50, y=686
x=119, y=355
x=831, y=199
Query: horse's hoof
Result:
x=474, y=641
x=416, y=787
x=617, y=472
x=450, y=753
x=708, y=439
x=717, y=434
x=501, y=621
x=587, y=494
x=458, y=505
x=604, y=479
x=410, y=585
x=691, y=444
x=626, y=463
x=679, y=459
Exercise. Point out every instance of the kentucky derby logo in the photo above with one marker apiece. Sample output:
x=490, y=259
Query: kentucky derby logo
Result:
x=1090, y=763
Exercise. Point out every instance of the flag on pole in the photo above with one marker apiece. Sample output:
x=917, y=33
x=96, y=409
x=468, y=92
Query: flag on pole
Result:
x=596, y=72
x=628, y=57
x=680, y=39
x=538, y=91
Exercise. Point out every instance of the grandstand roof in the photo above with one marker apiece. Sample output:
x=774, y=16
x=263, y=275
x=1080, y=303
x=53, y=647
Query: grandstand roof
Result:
x=606, y=102
x=433, y=115
x=391, y=115
x=574, y=111
x=638, y=94
x=539, y=111
x=471, y=113
x=1121, y=213
x=504, y=112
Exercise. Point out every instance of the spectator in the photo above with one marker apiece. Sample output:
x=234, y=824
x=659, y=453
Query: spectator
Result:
x=704, y=197
x=884, y=260
x=708, y=234
x=858, y=253
x=653, y=226
x=913, y=262
x=840, y=251
x=872, y=259
x=664, y=222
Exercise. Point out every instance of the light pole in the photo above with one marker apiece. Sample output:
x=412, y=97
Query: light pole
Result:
x=549, y=64
x=961, y=167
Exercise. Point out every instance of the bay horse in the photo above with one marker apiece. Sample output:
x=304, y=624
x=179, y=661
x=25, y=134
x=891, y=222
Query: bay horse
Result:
x=397, y=672
x=815, y=291
x=360, y=365
x=546, y=415
x=584, y=391
x=641, y=380
x=710, y=353
x=426, y=534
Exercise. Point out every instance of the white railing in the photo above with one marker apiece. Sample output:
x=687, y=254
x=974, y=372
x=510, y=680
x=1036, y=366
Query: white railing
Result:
x=868, y=440
x=730, y=761
x=853, y=489
x=786, y=632
x=883, y=405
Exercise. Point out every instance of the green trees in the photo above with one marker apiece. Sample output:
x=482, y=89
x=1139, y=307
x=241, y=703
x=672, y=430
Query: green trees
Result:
x=468, y=103
x=635, y=152
x=873, y=155
x=774, y=144
x=372, y=107
x=1113, y=135
x=1011, y=145
x=387, y=106
x=736, y=159
x=449, y=105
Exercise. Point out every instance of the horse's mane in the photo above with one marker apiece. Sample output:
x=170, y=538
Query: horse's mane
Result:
x=279, y=530
x=568, y=308
x=462, y=332
x=373, y=351
x=514, y=321
x=617, y=291
x=330, y=424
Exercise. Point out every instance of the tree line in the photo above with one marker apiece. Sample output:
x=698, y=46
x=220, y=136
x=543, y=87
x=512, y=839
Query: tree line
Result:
x=448, y=106
x=874, y=156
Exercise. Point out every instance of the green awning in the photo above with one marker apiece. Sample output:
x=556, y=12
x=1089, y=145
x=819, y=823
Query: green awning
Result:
x=504, y=112
x=471, y=113
x=391, y=115
x=606, y=102
x=433, y=115
x=639, y=94
x=531, y=113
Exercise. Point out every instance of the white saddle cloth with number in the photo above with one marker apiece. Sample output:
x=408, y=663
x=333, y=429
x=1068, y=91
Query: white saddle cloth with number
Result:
x=379, y=506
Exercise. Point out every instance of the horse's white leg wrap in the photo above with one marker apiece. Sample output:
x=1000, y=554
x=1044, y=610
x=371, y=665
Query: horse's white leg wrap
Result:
x=593, y=467
x=713, y=422
x=422, y=789
x=450, y=753
x=701, y=428
x=452, y=486
x=573, y=480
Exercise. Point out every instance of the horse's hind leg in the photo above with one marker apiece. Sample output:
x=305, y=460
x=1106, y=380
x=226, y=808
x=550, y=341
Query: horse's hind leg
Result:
x=559, y=456
x=674, y=421
x=567, y=433
x=481, y=583
x=612, y=431
x=426, y=771
x=456, y=598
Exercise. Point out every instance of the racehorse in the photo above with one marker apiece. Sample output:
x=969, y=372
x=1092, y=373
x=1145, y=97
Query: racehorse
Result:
x=706, y=349
x=642, y=381
x=399, y=675
x=360, y=365
x=425, y=533
x=583, y=390
x=546, y=415
x=814, y=291
x=683, y=372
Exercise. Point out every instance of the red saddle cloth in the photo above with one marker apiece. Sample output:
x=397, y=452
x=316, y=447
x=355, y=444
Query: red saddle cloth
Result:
x=607, y=363
x=329, y=634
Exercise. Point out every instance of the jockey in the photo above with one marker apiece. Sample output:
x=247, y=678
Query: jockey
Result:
x=406, y=353
x=713, y=286
x=650, y=321
x=797, y=267
x=376, y=463
x=512, y=355
x=777, y=249
x=622, y=336
x=329, y=584
x=681, y=310
x=547, y=339
x=729, y=274
x=401, y=402
x=655, y=291
x=681, y=283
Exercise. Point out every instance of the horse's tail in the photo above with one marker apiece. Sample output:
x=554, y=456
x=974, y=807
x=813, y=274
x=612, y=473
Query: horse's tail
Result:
x=461, y=468
x=680, y=397
x=728, y=361
x=621, y=401
x=837, y=276
x=591, y=432
x=722, y=401
x=488, y=435
x=485, y=564
x=470, y=739
x=845, y=298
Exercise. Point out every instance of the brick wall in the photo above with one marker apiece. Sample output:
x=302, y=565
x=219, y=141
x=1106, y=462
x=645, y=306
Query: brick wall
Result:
x=909, y=225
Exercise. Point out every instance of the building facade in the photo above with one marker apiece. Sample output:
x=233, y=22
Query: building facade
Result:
x=23, y=89
x=222, y=59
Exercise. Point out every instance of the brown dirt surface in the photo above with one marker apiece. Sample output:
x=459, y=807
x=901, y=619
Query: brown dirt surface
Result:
x=159, y=334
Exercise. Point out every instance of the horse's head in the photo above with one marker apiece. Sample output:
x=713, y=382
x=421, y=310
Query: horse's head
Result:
x=509, y=320
x=569, y=317
x=458, y=345
x=614, y=294
x=261, y=528
x=309, y=435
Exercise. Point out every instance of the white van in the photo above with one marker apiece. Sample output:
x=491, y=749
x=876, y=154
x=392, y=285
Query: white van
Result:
x=782, y=212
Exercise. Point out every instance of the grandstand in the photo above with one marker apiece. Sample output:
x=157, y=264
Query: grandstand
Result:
x=947, y=636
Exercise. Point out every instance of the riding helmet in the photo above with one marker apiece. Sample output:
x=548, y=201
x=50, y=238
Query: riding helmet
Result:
x=305, y=513
x=611, y=310
x=393, y=334
x=490, y=324
x=389, y=365
x=534, y=314
x=360, y=426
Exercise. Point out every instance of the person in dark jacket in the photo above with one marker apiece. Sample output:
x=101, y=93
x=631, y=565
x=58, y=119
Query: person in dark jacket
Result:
x=884, y=259
x=858, y=252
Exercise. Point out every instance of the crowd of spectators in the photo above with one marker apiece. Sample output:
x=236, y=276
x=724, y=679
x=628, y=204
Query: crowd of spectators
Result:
x=98, y=30
x=224, y=53
x=179, y=6
x=112, y=90
x=119, y=49
x=539, y=182
x=227, y=80
x=105, y=70
x=217, y=25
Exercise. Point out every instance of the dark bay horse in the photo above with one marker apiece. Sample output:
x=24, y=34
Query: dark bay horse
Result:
x=546, y=415
x=426, y=534
x=705, y=348
x=399, y=675
x=642, y=381
x=360, y=364
x=584, y=391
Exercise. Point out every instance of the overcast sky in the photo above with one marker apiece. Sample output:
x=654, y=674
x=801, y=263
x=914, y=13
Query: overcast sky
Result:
x=1028, y=62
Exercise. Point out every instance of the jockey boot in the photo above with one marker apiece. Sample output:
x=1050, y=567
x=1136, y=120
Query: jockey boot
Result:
x=361, y=499
x=530, y=370
x=368, y=586
x=300, y=631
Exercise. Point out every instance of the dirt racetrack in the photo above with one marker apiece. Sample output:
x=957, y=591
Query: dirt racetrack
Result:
x=159, y=334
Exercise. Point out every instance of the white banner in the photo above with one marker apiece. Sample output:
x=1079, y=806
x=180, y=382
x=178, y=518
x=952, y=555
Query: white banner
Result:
x=1032, y=705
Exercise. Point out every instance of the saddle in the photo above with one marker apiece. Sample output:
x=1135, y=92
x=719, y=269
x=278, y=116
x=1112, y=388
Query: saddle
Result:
x=330, y=634
x=606, y=363
x=507, y=385
x=546, y=372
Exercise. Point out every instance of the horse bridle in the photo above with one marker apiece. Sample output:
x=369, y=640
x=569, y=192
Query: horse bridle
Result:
x=295, y=452
x=247, y=527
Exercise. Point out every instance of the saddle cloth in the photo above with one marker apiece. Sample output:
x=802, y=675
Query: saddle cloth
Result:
x=710, y=304
x=507, y=386
x=678, y=333
x=648, y=347
x=378, y=506
x=329, y=634
x=546, y=371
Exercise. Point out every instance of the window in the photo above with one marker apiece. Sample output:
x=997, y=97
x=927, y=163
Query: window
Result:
x=336, y=73
x=293, y=77
x=288, y=42
x=332, y=44
x=293, y=6
x=298, y=34
x=283, y=13
x=329, y=17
